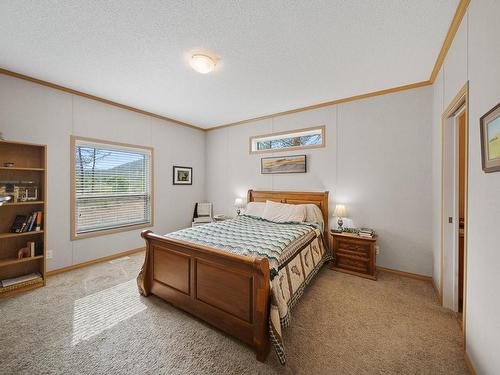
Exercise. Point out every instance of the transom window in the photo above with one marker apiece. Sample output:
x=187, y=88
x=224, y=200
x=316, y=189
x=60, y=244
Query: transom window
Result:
x=292, y=140
x=112, y=187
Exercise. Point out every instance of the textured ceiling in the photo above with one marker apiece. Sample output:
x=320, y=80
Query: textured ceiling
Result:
x=274, y=55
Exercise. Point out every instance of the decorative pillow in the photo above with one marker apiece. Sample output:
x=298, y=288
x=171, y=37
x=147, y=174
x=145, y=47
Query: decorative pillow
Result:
x=283, y=213
x=255, y=209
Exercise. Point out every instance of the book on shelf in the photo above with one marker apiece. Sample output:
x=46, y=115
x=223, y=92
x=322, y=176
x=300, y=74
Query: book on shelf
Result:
x=38, y=221
x=18, y=223
x=31, y=246
x=23, y=223
x=38, y=248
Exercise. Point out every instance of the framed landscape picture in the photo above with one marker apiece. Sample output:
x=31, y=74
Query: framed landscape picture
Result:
x=490, y=140
x=183, y=175
x=283, y=164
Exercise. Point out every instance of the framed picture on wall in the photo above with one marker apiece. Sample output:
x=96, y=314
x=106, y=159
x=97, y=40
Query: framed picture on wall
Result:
x=490, y=140
x=183, y=175
x=283, y=164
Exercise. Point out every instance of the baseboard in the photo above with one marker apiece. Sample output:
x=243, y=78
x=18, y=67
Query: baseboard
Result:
x=405, y=274
x=469, y=364
x=95, y=261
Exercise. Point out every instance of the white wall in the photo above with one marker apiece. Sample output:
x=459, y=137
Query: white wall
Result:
x=377, y=160
x=34, y=113
x=475, y=56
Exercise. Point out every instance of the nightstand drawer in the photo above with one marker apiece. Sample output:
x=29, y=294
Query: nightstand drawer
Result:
x=354, y=247
x=352, y=263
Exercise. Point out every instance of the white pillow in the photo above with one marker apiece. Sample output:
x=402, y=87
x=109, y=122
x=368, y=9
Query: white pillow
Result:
x=283, y=213
x=313, y=214
x=255, y=209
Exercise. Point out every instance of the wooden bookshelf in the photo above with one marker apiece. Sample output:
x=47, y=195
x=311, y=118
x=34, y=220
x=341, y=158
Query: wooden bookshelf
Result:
x=24, y=203
x=7, y=262
x=10, y=235
x=30, y=164
x=21, y=169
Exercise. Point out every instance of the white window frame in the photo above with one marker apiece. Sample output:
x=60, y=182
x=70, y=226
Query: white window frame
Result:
x=112, y=145
x=290, y=133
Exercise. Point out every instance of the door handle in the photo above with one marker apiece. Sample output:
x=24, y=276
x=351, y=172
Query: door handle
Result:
x=450, y=220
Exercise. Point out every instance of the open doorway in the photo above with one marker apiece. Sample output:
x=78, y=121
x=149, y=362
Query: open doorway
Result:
x=454, y=205
x=461, y=123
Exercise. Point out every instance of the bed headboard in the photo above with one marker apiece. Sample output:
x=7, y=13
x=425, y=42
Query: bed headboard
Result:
x=320, y=199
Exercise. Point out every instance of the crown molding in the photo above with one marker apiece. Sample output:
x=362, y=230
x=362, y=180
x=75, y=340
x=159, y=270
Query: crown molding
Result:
x=452, y=31
x=93, y=97
x=326, y=104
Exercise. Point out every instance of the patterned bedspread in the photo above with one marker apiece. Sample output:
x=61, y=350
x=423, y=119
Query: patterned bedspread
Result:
x=295, y=251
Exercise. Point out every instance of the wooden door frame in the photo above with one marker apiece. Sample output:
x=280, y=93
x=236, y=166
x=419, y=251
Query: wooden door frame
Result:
x=461, y=100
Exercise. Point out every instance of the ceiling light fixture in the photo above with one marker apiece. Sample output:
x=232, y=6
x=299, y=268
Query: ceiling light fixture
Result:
x=202, y=63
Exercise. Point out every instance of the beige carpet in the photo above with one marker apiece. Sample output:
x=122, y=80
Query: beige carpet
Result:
x=92, y=321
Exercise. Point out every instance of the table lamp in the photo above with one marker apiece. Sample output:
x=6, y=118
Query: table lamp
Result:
x=238, y=203
x=340, y=212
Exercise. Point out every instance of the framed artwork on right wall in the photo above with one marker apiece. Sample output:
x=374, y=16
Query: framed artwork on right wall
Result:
x=490, y=140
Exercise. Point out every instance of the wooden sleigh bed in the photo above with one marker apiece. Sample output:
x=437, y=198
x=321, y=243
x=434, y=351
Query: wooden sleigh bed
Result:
x=229, y=291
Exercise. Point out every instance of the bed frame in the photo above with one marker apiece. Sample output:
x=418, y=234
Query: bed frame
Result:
x=228, y=291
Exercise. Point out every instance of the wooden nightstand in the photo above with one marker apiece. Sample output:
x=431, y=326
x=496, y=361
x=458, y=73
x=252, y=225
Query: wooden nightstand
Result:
x=354, y=254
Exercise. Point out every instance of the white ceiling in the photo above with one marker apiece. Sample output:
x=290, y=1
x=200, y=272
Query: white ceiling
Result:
x=275, y=55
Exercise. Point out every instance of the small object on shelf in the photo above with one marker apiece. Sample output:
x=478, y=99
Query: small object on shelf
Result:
x=23, y=253
x=4, y=199
x=366, y=232
x=20, y=191
x=1, y=137
x=8, y=164
x=350, y=230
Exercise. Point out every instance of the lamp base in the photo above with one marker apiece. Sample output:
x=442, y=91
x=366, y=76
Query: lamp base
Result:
x=340, y=223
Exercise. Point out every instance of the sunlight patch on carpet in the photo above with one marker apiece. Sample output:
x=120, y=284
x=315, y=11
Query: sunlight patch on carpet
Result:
x=103, y=310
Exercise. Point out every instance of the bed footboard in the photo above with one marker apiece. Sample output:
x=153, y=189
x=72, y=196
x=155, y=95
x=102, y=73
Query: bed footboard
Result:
x=228, y=291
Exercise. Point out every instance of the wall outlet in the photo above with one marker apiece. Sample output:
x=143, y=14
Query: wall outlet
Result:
x=50, y=254
x=377, y=249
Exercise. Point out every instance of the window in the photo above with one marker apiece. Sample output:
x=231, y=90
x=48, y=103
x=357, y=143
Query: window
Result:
x=284, y=141
x=111, y=186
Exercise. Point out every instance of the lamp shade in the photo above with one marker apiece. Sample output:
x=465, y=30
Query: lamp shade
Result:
x=238, y=203
x=340, y=211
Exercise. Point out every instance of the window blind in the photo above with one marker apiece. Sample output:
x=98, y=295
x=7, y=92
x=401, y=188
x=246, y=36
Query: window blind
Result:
x=112, y=186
